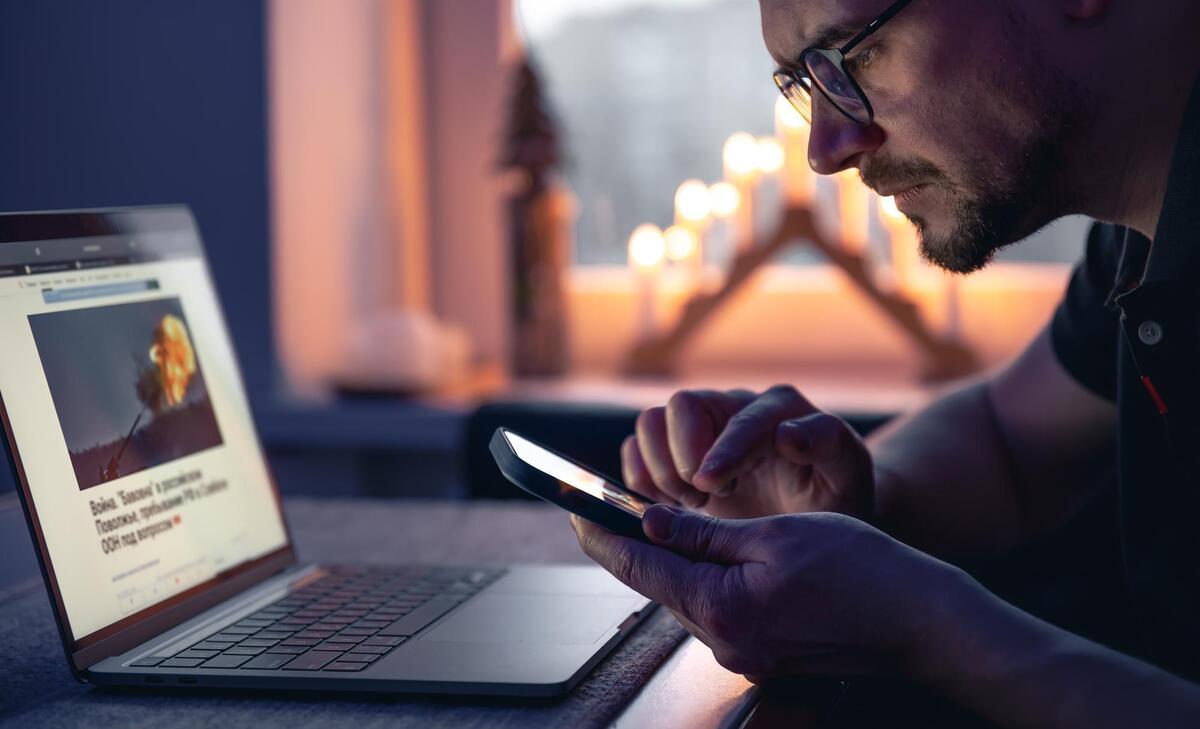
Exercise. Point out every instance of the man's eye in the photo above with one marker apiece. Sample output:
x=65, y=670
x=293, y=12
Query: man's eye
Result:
x=861, y=60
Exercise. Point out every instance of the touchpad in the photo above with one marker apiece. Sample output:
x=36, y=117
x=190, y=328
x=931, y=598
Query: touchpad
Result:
x=556, y=619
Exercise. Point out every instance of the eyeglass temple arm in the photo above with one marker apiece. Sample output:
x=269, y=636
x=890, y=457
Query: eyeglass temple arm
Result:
x=875, y=25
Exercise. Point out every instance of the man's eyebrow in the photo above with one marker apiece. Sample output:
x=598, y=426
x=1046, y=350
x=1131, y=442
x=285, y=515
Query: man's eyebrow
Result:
x=829, y=36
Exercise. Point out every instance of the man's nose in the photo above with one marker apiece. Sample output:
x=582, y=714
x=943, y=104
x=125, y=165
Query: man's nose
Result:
x=836, y=142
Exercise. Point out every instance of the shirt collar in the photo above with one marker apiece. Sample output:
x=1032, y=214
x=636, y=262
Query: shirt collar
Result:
x=1175, y=253
x=1176, y=248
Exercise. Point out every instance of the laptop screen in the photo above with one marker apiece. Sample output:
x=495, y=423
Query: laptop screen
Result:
x=126, y=413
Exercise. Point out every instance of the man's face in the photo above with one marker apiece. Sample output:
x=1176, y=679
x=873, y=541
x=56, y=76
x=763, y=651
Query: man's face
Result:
x=970, y=118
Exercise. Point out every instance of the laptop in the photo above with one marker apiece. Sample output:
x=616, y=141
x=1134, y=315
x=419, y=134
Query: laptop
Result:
x=158, y=526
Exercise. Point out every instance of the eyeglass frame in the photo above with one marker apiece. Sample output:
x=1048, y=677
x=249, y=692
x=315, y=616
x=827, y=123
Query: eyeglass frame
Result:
x=837, y=56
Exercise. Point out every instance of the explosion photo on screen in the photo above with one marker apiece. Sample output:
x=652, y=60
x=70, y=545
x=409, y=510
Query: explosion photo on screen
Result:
x=126, y=386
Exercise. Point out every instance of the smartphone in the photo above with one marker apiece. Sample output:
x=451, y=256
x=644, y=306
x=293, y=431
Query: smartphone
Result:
x=578, y=489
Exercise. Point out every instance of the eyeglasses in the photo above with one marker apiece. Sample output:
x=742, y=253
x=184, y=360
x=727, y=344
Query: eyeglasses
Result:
x=825, y=68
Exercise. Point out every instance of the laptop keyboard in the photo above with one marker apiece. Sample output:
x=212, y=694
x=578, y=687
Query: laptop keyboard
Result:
x=344, y=621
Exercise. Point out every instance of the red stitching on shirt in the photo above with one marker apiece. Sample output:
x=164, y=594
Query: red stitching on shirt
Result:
x=1158, y=401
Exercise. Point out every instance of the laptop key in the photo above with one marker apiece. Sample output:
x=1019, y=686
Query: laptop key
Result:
x=412, y=623
x=302, y=641
x=288, y=649
x=311, y=661
x=273, y=634
x=380, y=649
x=362, y=657
x=226, y=660
x=213, y=645
x=238, y=630
x=258, y=642
x=382, y=640
x=345, y=666
x=244, y=650
x=181, y=662
x=268, y=661
x=228, y=637
x=196, y=653
x=341, y=647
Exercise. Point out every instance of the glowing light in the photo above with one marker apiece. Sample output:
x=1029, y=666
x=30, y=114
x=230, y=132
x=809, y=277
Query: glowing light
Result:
x=787, y=115
x=888, y=206
x=725, y=199
x=741, y=154
x=770, y=155
x=692, y=201
x=647, y=246
x=682, y=243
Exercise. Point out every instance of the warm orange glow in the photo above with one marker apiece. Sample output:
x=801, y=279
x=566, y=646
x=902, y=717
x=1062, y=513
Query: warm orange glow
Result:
x=174, y=357
x=770, y=155
x=787, y=116
x=725, y=199
x=740, y=156
x=888, y=206
x=647, y=246
x=692, y=201
x=682, y=243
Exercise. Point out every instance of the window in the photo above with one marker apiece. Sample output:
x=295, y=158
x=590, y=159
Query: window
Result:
x=647, y=91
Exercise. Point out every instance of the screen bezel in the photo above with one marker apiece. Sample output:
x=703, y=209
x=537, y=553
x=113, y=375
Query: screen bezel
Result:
x=129, y=632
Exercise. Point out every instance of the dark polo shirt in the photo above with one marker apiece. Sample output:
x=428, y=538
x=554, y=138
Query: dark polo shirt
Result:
x=1129, y=330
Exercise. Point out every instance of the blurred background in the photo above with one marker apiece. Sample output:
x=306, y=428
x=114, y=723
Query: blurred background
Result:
x=427, y=218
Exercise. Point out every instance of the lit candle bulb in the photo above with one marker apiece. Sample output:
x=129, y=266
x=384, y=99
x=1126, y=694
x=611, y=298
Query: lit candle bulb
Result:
x=647, y=249
x=771, y=157
x=682, y=245
x=693, y=204
x=904, y=247
x=740, y=157
x=683, y=251
x=725, y=200
x=799, y=182
x=693, y=210
x=854, y=212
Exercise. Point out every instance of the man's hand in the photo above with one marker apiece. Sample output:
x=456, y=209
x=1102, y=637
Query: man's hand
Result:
x=786, y=595
x=739, y=455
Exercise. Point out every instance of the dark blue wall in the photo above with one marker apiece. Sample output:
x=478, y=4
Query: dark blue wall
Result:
x=133, y=102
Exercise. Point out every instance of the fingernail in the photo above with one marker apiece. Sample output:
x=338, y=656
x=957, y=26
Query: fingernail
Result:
x=796, y=435
x=692, y=501
x=707, y=468
x=659, y=523
x=727, y=489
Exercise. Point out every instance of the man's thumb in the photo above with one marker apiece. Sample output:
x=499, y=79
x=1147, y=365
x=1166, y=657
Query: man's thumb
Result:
x=695, y=536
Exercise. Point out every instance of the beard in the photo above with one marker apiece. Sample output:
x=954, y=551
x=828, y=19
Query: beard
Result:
x=1001, y=205
x=998, y=201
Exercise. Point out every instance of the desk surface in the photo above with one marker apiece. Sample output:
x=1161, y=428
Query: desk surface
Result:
x=688, y=690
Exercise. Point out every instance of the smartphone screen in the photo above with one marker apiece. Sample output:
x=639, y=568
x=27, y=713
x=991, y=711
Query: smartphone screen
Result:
x=571, y=476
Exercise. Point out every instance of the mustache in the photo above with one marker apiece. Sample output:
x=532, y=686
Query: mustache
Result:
x=889, y=173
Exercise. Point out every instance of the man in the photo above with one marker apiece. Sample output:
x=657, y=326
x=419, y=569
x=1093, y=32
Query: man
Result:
x=823, y=553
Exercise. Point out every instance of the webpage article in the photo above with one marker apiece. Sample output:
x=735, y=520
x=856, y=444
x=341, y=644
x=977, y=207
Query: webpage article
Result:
x=134, y=432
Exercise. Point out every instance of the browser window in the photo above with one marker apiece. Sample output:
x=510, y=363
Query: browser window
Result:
x=129, y=420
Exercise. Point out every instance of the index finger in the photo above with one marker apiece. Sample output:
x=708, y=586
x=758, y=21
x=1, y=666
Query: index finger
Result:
x=694, y=420
x=657, y=573
x=750, y=432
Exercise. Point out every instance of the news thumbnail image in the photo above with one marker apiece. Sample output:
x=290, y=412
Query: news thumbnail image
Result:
x=127, y=387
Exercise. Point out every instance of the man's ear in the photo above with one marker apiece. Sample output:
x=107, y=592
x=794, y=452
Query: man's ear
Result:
x=1085, y=11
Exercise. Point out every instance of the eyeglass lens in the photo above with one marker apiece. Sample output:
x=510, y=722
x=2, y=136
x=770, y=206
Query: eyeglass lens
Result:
x=827, y=73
